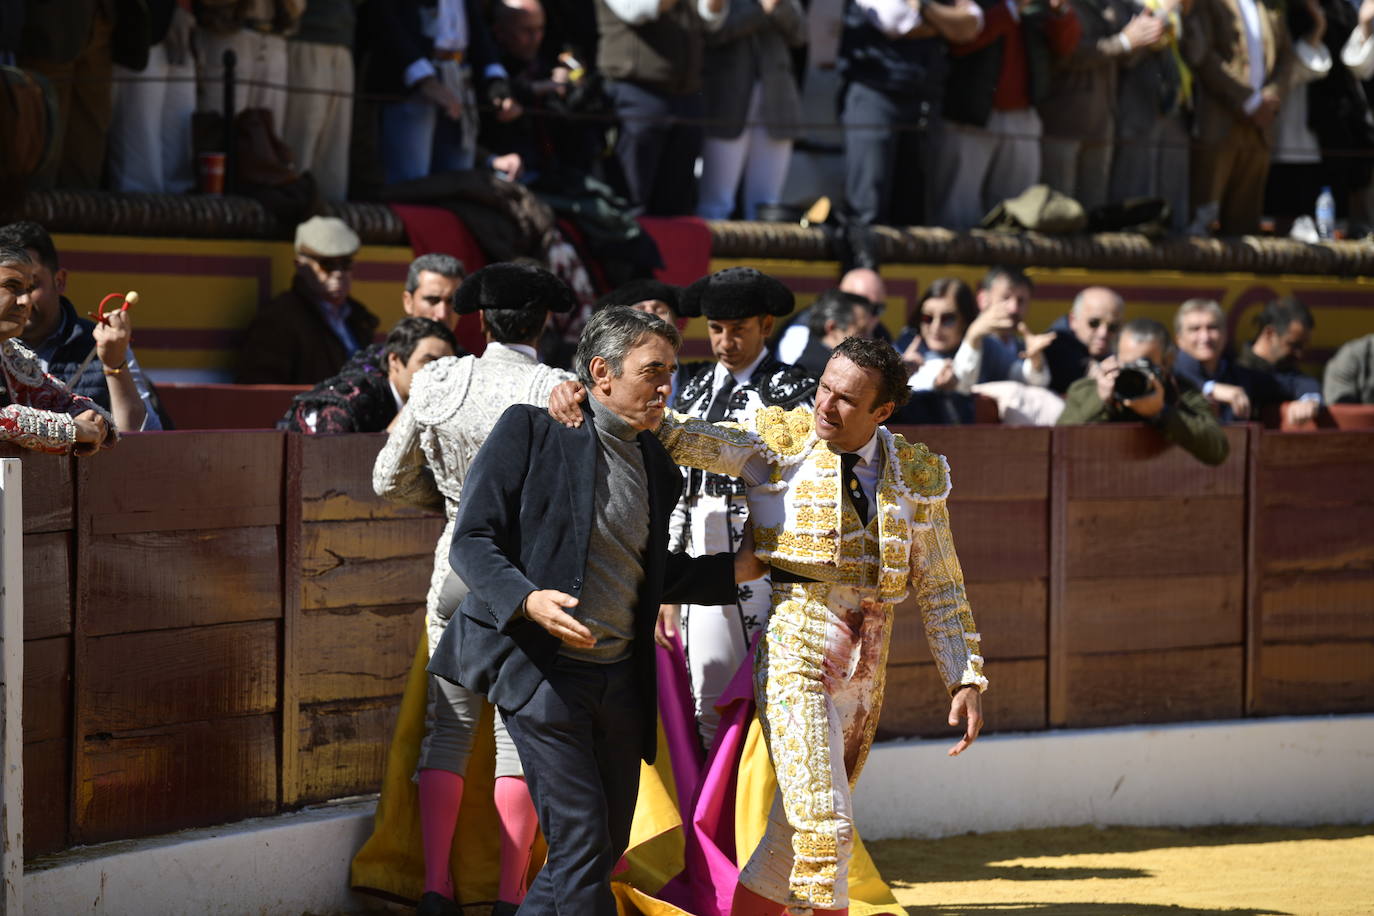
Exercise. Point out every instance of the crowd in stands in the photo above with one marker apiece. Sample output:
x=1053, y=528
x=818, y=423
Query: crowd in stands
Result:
x=958, y=345
x=1227, y=110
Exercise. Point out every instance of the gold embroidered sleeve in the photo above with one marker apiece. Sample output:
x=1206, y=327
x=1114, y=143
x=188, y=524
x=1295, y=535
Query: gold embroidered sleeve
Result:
x=938, y=584
x=721, y=448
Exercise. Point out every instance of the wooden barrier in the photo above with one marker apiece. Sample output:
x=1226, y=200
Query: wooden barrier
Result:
x=1311, y=570
x=219, y=624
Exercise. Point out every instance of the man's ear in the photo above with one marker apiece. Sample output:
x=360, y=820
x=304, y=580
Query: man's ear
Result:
x=393, y=364
x=885, y=411
x=601, y=373
x=766, y=324
x=59, y=281
x=407, y=301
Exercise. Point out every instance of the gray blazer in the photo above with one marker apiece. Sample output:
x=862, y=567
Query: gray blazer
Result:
x=753, y=45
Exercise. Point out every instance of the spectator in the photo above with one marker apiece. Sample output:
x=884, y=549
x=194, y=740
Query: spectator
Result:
x=834, y=316
x=1350, y=373
x=1325, y=134
x=1285, y=327
x=1137, y=386
x=1153, y=105
x=1079, y=110
x=650, y=52
x=433, y=55
x=941, y=318
x=990, y=149
x=370, y=390
x=62, y=341
x=861, y=281
x=255, y=30
x=319, y=108
x=1296, y=175
x=150, y=128
x=547, y=91
x=308, y=332
x=40, y=412
x=892, y=63
x=753, y=108
x=1240, y=53
x=991, y=350
x=1084, y=337
x=431, y=286
x=1235, y=393
x=68, y=41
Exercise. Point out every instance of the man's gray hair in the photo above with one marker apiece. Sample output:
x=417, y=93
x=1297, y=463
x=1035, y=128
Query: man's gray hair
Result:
x=1147, y=330
x=612, y=333
x=1117, y=301
x=14, y=256
x=1210, y=306
x=445, y=265
x=837, y=306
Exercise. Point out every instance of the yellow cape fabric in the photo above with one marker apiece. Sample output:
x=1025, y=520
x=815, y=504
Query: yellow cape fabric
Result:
x=391, y=863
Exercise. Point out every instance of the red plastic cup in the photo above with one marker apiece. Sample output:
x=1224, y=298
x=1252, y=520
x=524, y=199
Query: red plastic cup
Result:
x=211, y=171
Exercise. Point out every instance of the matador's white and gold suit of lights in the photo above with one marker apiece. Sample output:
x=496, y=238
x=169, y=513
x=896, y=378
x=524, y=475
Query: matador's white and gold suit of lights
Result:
x=821, y=667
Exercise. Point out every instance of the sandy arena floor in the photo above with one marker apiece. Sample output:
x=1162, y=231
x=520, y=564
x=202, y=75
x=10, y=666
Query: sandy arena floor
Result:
x=1083, y=871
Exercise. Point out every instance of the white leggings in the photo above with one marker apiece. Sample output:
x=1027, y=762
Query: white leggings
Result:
x=760, y=159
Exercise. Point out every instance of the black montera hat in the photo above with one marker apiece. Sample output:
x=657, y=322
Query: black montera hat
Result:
x=513, y=287
x=645, y=289
x=736, y=292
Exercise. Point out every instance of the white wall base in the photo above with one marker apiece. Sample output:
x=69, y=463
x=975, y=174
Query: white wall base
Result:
x=278, y=866
x=1261, y=771
x=1257, y=771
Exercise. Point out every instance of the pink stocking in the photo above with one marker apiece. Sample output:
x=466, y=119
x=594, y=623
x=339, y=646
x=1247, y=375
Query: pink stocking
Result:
x=515, y=811
x=441, y=795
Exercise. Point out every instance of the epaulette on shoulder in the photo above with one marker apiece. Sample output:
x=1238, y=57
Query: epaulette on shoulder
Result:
x=786, y=432
x=438, y=389
x=925, y=473
x=788, y=386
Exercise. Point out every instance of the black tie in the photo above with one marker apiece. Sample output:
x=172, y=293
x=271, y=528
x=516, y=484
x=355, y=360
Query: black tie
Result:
x=721, y=401
x=851, y=486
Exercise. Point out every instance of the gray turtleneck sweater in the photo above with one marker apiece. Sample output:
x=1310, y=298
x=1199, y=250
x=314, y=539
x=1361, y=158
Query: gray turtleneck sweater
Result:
x=620, y=534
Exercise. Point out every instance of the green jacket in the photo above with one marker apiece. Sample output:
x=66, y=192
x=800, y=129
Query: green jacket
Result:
x=1189, y=423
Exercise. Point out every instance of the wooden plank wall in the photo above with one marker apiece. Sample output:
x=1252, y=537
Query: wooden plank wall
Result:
x=178, y=632
x=1147, y=595
x=999, y=513
x=48, y=549
x=1312, y=574
x=358, y=613
x=219, y=625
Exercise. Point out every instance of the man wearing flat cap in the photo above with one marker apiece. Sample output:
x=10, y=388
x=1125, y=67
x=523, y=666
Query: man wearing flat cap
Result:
x=740, y=305
x=309, y=332
x=454, y=403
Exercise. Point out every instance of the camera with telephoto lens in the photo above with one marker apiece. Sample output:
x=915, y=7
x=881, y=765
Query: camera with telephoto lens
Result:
x=1133, y=380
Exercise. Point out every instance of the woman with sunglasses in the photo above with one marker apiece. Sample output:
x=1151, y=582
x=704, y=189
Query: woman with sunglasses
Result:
x=935, y=330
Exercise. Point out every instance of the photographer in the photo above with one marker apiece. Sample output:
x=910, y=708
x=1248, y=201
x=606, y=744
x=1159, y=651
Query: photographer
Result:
x=1137, y=386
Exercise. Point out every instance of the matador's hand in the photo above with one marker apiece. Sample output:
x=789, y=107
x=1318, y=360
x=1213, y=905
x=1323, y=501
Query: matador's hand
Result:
x=967, y=702
x=565, y=403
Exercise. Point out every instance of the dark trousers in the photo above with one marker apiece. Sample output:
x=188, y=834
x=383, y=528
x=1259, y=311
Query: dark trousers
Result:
x=658, y=157
x=579, y=742
x=888, y=140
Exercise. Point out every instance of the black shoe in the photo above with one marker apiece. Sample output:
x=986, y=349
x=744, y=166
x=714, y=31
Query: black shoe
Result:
x=502, y=908
x=434, y=903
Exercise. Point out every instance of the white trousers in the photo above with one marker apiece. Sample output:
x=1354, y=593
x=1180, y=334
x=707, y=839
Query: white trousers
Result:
x=150, y=131
x=755, y=156
x=259, y=72
x=978, y=167
x=319, y=113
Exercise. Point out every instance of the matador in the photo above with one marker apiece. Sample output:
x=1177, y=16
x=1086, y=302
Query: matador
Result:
x=851, y=517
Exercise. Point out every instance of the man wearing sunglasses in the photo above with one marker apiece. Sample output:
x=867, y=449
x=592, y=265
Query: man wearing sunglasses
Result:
x=1084, y=337
x=307, y=333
